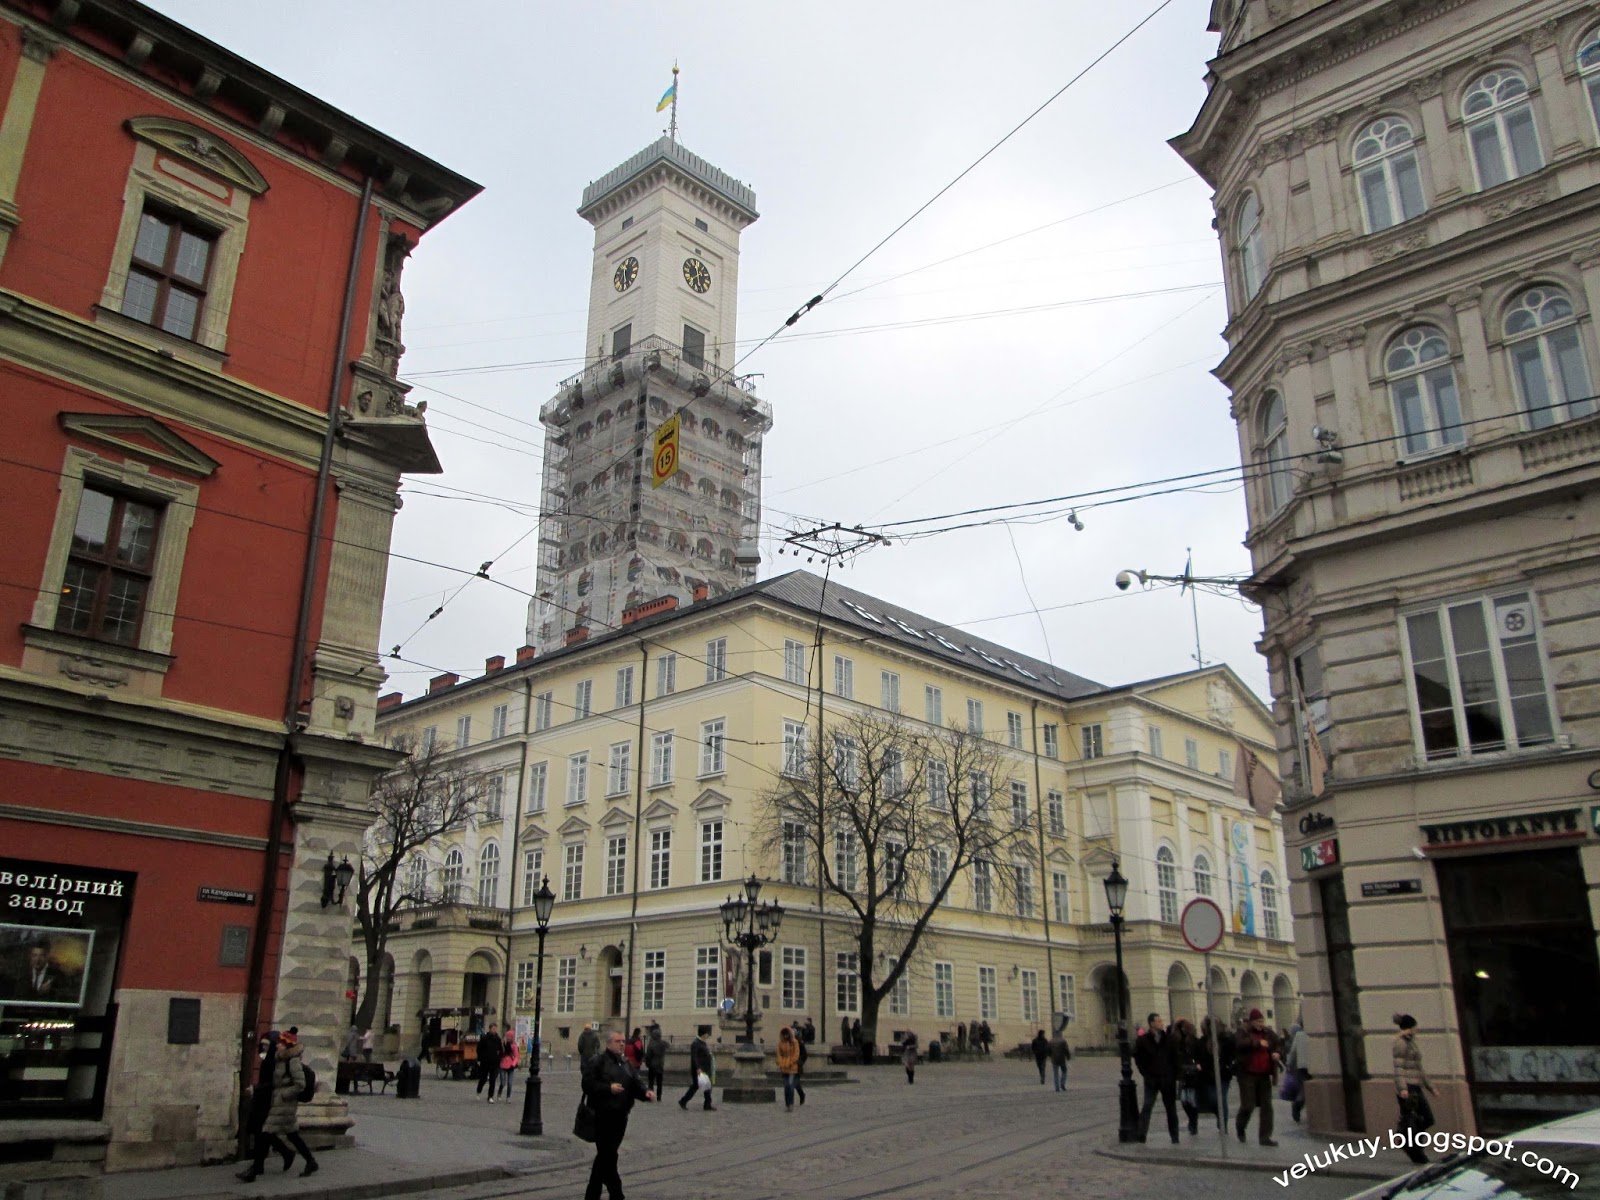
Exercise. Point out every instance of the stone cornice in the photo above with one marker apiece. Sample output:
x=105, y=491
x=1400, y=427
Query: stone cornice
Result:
x=167, y=833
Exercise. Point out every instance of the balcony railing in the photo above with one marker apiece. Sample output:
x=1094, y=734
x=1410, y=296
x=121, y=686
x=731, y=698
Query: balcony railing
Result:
x=656, y=354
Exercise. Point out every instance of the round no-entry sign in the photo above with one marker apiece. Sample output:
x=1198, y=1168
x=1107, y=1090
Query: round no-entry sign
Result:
x=1201, y=924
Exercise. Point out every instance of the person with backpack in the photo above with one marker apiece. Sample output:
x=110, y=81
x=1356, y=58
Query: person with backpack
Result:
x=290, y=1082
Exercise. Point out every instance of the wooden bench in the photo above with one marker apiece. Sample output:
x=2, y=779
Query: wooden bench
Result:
x=353, y=1074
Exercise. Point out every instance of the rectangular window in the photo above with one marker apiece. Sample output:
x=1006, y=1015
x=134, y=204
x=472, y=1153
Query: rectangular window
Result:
x=532, y=875
x=582, y=703
x=624, y=687
x=795, y=867
x=1225, y=764
x=494, y=797
x=621, y=340
x=944, y=989
x=497, y=721
x=794, y=662
x=710, y=851
x=618, y=769
x=716, y=660
x=711, y=750
x=578, y=778
x=846, y=762
x=525, y=982
x=616, y=865
x=894, y=773
x=938, y=868
x=975, y=716
x=900, y=993
x=1055, y=807
x=655, y=980
x=167, y=278
x=1052, y=741
x=794, y=979
x=661, y=759
x=1093, y=742
x=1030, y=997
x=847, y=974
x=764, y=968
x=1019, y=804
x=572, y=877
x=1477, y=677
x=894, y=868
x=666, y=674
x=660, y=858
x=794, y=748
x=889, y=690
x=844, y=676
x=1014, y=730
x=846, y=859
x=933, y=705
x=1024, y=878
x=1191, y=754
x=988, y=994
x=544, y=706
x=707, y=977
x=463, y=732
x=538, y=781
x=982, y=886
x=978, y=789
x=567, y=985
x=938, y=785
x=430, y=737
x=1154, y=732
x=694, y=346
x=1067, y=995
x=1060, y=897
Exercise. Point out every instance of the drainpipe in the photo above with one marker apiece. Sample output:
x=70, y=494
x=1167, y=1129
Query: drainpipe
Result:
x=638, y=850
x=284, y=774
x=1038, y=804
x=516, y=836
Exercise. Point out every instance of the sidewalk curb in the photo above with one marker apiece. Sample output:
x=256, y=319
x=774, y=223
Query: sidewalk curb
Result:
x=376, y=1190
x=1171, y=1158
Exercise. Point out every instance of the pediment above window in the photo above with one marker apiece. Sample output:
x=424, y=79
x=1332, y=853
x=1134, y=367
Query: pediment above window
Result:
x=614, y=818
x=573, y=826
x=201, y=148
x=143, y=437
x=709, y=800
x=660, y=810
x=534, y=833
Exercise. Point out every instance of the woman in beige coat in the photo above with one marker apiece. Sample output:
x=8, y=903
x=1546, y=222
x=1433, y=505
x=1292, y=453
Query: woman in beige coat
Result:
x=282, y=1125
x=1410, y=1083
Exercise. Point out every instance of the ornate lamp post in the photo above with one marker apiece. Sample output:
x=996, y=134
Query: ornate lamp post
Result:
x=544, y=901
x=750, y=926
x=1127, y=1095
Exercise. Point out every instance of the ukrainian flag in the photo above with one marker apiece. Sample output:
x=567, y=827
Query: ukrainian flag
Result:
x=668, y=96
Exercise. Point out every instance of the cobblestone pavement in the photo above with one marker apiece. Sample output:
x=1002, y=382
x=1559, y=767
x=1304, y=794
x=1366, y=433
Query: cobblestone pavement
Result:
x=984, y=1129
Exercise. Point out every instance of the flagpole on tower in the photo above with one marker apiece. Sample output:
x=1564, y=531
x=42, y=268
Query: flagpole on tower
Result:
x=672, y=129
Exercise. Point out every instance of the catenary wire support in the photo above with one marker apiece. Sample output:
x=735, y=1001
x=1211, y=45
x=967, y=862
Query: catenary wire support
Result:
x=834, y=543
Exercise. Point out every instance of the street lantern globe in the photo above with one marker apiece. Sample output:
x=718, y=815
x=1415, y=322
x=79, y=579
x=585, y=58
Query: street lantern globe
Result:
x=1116, y=890
x=544, y=900
x=345, y=872
x=752, y=888
x=775, y=916
x=732, y=915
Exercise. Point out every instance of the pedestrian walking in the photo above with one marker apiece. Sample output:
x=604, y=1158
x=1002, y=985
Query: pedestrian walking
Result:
x=988, y=1037
x=368, y=1043
x=789, y=1067
x=510, y=1060
x=810, y=1038
x=908, y=1057
x=1294, y=1070
x=700, y=1064
x=351, y=1049
x=610, y=1085
x=1060, y=1055
x=1041, y=1053
x=855, y=1033
x=588, y=1045
x=655, y=1061
x=1257, y=1056
x=1156, y=1054
x=635, y=1049
x=281, y=1123
x=961, y=1036
x=1411, y=1084
x=490, y=1048
x=1197, y=1087
x=261, y=1092
x=844, y=1032
x=805, y=1053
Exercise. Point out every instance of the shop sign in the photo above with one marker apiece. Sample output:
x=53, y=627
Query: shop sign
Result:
x=1529, y=826
x=1315, y=822
x=38, y=887
x=227, y=895
x=1320, y=854
x=1391, y=887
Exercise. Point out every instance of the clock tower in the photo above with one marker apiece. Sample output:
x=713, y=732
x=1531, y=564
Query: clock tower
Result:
x=661, y=340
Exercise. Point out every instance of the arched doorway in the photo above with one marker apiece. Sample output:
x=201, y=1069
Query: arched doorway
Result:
x=1284, y=1009
x=1180, y=993
x=1250, y=994
x=422, y=968
x=352, y=987
x=1221, y=1009
x=611, y=982
x=383, y=1015
x=1104, y=982
x=476, y=979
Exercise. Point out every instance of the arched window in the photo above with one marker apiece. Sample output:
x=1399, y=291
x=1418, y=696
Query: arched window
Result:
x=1202, y=875
x=1499, y=119
x=1269, y=907
x=1279, y=486
x=1167, y=885
x=1547, y=358
x=1386, y=173
x=1422, y=385
x=1589, y=70
x=489, y=876
x=450, y=878
x=1252, y=248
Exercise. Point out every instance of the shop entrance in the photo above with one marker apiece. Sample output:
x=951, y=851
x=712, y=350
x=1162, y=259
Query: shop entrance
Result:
x=1522, y=953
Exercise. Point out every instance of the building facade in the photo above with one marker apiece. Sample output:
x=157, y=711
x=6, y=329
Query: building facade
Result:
x=1407, y=200
x=661, y=335
x=634, y=769
x=199, y=287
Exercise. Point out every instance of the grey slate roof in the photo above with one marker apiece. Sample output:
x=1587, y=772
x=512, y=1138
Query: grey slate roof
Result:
x=664, y=149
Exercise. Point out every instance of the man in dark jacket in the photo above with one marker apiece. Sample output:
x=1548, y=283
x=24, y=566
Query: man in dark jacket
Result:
x=1156, y=1054
x=610, y=1085
x=1258, y=1052
x=655, y=1059
x=699, y=1061
x=1041, y=1053
x=490, y=1050
x=588, y=1046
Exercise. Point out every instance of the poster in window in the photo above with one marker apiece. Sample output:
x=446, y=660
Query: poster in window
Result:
x=43, y=966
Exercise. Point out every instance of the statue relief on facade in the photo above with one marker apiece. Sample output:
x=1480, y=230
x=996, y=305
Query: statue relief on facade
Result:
x=390, y=308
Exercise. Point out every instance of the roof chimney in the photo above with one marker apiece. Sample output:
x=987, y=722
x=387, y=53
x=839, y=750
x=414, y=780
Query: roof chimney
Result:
x=650, y=608
x=390, y=700
x=701, y=591
x=527, y=653
x=578, y=633
x=443, y=683
x=495, y=663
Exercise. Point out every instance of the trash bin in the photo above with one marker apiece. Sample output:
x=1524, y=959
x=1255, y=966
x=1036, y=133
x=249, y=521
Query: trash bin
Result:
x=408, y=1080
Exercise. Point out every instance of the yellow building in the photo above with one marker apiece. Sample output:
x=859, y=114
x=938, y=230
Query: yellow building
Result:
x=634, y=769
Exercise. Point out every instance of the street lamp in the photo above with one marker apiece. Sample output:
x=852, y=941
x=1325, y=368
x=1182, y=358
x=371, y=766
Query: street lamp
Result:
x=1127, y=1096
x=335, y=880
x=544, y=900
x=750, y=925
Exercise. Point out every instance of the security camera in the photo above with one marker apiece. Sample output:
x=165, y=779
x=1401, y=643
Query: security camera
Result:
x=1125, y=580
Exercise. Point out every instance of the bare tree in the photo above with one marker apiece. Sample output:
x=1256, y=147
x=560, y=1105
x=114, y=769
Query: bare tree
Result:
x=892, y=816
x=421, y=800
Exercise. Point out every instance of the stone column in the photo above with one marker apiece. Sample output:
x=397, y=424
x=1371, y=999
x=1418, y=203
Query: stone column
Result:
x=37, y=50
x=1566, y=120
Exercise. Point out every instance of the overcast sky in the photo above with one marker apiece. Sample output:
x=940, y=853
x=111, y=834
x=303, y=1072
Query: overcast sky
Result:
x=924, y=394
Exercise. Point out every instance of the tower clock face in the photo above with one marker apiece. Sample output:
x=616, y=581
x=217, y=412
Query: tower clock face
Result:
x=697, y=275
x=627, y=272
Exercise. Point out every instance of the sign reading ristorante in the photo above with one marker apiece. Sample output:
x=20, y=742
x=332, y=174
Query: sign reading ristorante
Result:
x=1559, y=823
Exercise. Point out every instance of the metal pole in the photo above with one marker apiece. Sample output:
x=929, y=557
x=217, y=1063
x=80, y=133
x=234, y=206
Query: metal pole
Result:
x=532, y=1111
x=1216, y=1055
x=1127, y=1094
x=750, y=986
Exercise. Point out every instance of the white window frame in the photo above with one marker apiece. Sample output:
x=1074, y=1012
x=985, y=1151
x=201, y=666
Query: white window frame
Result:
x=666, y=675
x=1167, y=884
x=711, y=850
x=1014, y=730
x=544, y=705
x=1252, y=246
x=497, y=721
x=567, y=985
x=795, y=658
x=1055, y=807
x=899, y=997
x=713, y=752
x=889, y=690
x=933, y=705
x=1418, y=377
x=844, y=676
x=619, y=768
x=847, y=982
x=661, y=752
x=453, y=875
x=1191, y=753
x=792, y=979
x=1093, y=737
x=654, y=993
x=532, y=874
x=538, y=785
x=796, y=749
x=974, y=717
x=1067, y=993
x=1551, y=314
x=494, y=797
x=489, y=876
x=1022, y=874
x=1500, y=115
x=846, y=859
x=1271, y=926
x=1061, y=897
x=707, y=977
x=624, y=687
x=796, y=866
x=1204, y=877
x=944, y=990
x=1277, y=483
x=982, y=885
x=1384, y=155
x=716, y=660
x=572, y=871
x=1588, y=64
x=577, y=779
x=1028, y=986
x=937, y=774
x=1153, y=733
x=1019, y=804
x=660, y=859
x=616, y=864
x=1052, y=741
x=938, y=869
x=988, y=994
x=583, y=699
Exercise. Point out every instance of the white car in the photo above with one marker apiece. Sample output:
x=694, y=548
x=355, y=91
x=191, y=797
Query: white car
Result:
x=1558, y=1158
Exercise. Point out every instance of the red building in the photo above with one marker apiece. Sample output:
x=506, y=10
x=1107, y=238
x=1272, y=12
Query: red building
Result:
x=204, y=434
